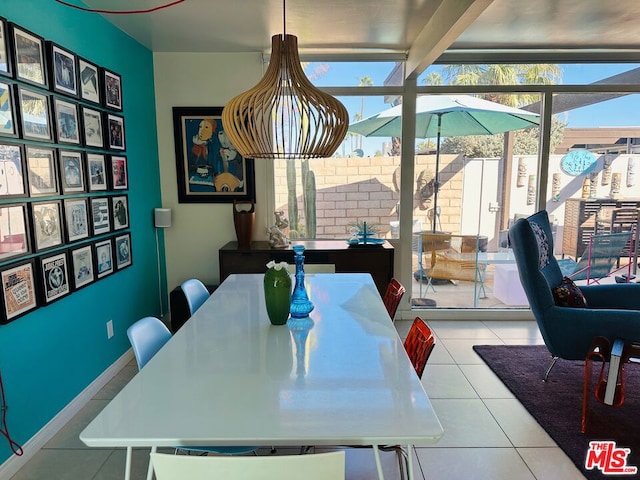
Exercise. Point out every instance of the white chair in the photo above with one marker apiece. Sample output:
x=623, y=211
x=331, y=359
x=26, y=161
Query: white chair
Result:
x=195, y=292
x=320, y=466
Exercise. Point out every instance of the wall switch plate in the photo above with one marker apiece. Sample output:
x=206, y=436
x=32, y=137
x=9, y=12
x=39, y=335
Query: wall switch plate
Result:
x=109, y=329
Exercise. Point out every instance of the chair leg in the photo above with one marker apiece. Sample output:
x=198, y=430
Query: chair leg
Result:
x=551, y=365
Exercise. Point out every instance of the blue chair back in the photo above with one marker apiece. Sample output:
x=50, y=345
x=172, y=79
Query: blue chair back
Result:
x=147, y=336
x=195, y=292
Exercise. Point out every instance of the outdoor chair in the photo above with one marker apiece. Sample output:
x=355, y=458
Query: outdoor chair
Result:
x=612, y=310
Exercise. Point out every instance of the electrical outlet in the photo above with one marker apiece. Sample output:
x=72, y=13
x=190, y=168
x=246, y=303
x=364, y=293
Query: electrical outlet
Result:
x=109, y=329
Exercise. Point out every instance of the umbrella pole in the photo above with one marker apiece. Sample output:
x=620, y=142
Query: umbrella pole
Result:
x=436, y=181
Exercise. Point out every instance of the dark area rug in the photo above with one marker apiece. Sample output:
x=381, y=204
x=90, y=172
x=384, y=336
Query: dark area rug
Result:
x=557, y=403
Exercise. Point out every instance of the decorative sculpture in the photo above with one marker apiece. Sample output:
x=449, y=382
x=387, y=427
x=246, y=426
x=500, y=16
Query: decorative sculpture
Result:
x=277, y=238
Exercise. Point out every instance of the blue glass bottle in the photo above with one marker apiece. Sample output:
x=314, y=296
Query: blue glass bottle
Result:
x=301, y=306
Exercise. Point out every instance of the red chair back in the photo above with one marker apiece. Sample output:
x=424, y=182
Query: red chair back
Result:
x=392, y=297
x=419, y=344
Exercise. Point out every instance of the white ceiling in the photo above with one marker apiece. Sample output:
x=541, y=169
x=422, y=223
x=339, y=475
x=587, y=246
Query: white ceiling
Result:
x=420, y=29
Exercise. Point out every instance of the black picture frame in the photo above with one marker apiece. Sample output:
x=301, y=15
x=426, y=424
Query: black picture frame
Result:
x=120, y=212
x=112, y=90
x=63, y=69
x=100, y=215
x=6, y=62
x=92, y=130
x=42, y=170
x=66, y=121
x=34, y=127
x=89, y=81
x=19, y=290
x=72, y=178
x=46, y=220
x=13, y=166
x=29, y=56
x=122, y=251
x=76, y=219
x=15, y=236
x=103, y=258
x=53, y=273
x=114, y=132
x=96, y=172
x=119, y=172
x=8, y=124
x=209, y=169
x=82, y=269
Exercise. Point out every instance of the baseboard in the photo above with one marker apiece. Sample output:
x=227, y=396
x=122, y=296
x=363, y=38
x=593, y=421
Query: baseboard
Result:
x=14, y=463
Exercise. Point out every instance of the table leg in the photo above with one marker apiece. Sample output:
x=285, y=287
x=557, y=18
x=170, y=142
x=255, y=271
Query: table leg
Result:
x=127, y=464
x=150, y=469
x=376, y=453
x=410, y=462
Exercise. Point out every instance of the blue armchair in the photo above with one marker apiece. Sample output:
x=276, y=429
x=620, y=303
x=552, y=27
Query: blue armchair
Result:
x=613, y=309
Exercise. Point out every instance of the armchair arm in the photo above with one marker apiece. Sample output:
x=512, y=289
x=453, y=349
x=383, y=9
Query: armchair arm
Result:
x=619, y=296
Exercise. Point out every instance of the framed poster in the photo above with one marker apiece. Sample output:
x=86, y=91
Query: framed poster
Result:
x=82, y=266
x=18, y=290
x=119, y=176
x=41, y=165
x=120, y=210
x=123, y=251
x=76, y=219
x=115, y=132
x=89, y=83
x=5, y=51
x=71, y=171
x=54, y=277
x=96, y=172
x=92, y=127
x=8, y=124
x=29, y=55
x=101, y=220
x=104, y=258
x=46, y=218
x=14, y=231
x=63, y=68
x=209, y=169
x=12, y=171
x=35, y=115
x=112, y=90
x=66, y=121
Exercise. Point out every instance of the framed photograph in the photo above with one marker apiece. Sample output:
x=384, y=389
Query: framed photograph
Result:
x=12, y=171
x=104, y=258
x=209, y=169
x=119, y=176
x=18, y=290
x=112, y=90
x=41, y=165
x=29, y=55
x=5, y=51
x=92, y=127
x=89, y=81
x=82, y=266
x=14, y=231
x=67, y=127
x=101, y=220
x=120, y=210
x=8, y=126
x=35, y=115
x=71, y=171
x=96, y=172
x=115, y=132
x=64, y=70
x=123, y=251
x=54, y=277
x=76, y=217
x=47, y=225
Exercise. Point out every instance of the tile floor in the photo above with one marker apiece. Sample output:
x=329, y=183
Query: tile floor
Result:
x=488, y=434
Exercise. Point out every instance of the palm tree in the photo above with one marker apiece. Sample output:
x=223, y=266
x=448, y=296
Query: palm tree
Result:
x=365, y=81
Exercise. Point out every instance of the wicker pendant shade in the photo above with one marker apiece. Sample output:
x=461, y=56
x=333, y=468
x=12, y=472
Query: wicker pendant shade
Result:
x=284, y=115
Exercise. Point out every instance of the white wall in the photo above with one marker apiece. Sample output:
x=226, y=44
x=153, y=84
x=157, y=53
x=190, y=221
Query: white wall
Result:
x=199, y=230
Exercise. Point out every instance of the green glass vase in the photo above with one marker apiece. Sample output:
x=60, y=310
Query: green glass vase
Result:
x=277, y=295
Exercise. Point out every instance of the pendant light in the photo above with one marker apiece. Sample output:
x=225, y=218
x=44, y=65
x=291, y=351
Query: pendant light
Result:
x=284, y=115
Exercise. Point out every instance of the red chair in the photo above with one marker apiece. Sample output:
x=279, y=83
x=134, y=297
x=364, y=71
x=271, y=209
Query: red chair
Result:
x=392, y=297
x=419, y=344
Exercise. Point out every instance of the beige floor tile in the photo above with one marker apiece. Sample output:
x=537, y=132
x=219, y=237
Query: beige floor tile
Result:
x=116, y=383
x=68, y=436
x=550, y=464
x=485, y=382
x=521, y=428
x=459, y=329
x=446, y=381
x=462, y=352
x=63, y=464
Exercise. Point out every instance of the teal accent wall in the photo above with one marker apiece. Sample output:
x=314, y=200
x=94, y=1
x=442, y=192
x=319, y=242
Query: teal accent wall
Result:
x=49, y=356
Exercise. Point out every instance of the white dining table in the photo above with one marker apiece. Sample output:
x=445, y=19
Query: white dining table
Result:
x=230, y=378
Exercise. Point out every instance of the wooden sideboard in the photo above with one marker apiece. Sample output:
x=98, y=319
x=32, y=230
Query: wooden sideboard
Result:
x=376, y=260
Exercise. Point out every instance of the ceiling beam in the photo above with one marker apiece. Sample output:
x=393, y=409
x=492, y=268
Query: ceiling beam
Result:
x=446, y=24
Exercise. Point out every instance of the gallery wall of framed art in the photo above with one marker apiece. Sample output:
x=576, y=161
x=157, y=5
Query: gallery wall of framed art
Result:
x=64, y=209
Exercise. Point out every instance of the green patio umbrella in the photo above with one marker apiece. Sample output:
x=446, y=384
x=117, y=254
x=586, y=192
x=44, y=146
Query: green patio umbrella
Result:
x=448, y=116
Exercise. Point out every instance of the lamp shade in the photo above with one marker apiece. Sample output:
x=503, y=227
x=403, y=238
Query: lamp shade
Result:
x=284, y=115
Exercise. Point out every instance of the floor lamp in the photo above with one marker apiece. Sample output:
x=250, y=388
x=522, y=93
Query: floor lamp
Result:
x=161, y=219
